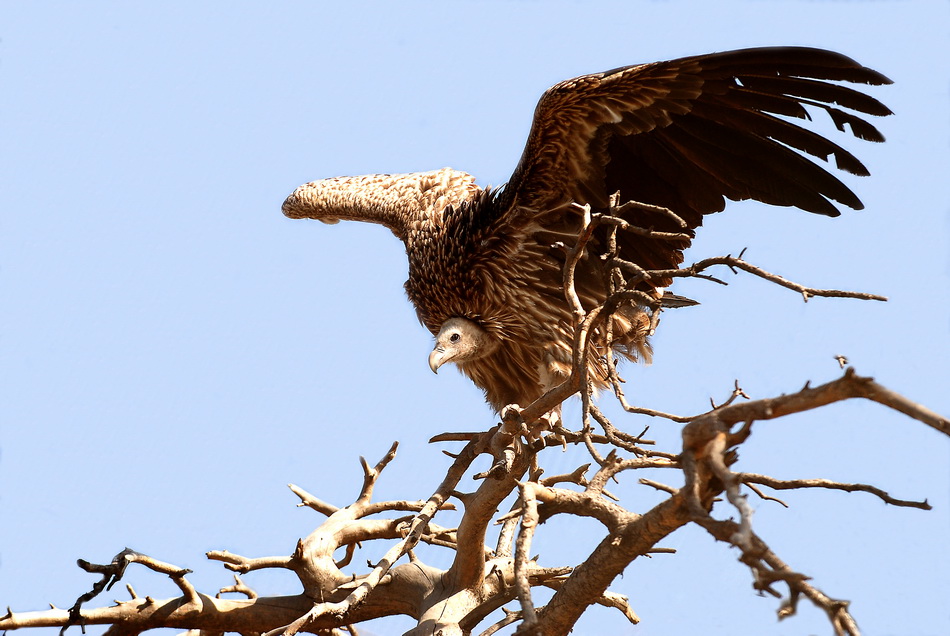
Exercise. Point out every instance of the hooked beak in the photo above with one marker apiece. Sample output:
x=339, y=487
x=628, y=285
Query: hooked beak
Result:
x=436, y=359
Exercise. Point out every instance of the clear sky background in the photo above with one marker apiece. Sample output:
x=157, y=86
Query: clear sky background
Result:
x=174, y=351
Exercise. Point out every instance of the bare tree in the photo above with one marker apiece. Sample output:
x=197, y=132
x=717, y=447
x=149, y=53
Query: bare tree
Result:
x=492, y=569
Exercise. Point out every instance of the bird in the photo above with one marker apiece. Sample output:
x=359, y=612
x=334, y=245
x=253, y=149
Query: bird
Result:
x=680, y=136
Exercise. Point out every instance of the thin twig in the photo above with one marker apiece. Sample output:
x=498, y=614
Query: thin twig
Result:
x=789, y=484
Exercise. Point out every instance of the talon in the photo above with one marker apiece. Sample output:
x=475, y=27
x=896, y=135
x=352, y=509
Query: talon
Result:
x=511, y=413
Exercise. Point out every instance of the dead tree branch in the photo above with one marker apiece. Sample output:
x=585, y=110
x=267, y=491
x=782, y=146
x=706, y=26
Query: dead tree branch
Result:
x=482, y=580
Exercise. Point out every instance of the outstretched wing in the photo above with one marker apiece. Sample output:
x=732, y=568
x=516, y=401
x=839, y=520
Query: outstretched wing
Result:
x=689, y=133
x=401, y=202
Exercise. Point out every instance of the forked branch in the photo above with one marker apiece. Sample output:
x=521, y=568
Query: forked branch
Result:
x=487, y=573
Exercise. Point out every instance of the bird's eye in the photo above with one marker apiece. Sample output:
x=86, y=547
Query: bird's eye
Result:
x=455, y=337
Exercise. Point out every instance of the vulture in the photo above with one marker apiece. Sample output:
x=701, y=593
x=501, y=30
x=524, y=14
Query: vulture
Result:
x=486, y=264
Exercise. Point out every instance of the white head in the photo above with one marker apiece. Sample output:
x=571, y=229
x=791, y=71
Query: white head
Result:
x=460, y=340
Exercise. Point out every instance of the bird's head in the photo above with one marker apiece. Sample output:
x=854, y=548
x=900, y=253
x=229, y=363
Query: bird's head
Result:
x=461, y=340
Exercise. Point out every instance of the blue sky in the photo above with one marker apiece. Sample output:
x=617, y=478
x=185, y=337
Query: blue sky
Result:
x=174, y=351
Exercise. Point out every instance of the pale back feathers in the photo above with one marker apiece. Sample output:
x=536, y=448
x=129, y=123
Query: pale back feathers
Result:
x=686, y=135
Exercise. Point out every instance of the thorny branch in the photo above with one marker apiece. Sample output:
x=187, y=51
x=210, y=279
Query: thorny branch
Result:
x=482, y=578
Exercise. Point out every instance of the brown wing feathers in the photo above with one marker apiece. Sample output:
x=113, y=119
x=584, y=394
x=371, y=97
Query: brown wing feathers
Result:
x=689, y=134
x=744, y=151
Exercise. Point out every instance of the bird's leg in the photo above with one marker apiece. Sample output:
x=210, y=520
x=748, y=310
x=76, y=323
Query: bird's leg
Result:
x=511, y=421
x=550, y=421
x=513, y=424
x=505, y=444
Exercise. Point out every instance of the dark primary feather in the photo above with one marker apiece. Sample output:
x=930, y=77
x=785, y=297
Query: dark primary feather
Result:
x=685, y=134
